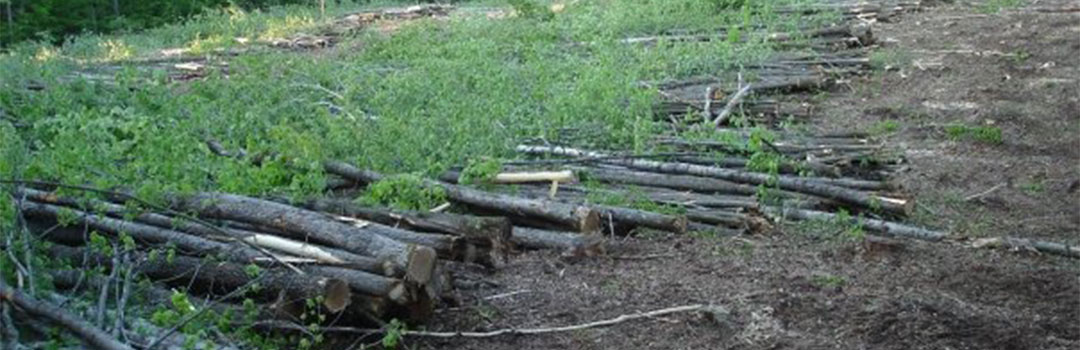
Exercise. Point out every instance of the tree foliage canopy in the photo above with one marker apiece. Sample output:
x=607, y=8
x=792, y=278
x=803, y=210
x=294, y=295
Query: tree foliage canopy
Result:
x=53, y=20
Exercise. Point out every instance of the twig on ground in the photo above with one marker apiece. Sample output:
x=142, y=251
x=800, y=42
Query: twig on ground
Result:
x=984, y=193
x=643, y=257
x=505, y=331
x=87, y=333
x=192, y=316
x=504, y=295
x=103, y=296
x=706, y=111
x=722, y=117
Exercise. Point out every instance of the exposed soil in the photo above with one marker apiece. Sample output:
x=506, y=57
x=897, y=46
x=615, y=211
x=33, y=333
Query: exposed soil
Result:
x=795, y=289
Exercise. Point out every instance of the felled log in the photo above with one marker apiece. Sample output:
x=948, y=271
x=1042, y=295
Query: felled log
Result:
x=361, y=308
x=534, y=176
x=170, y=224
x=446, y=246
x=140, y=232
x=786, y=167
x=367, y=283
x=477, y=229
x=839, y=194
x=625, y=219
x=1029, y=244
x=714, y=229
x=718, y=217
x=641, y=218
x=577, y=218
x=679, y=182
x=418, y=262
x=225, y=277
x=82, y=329
x=572, y=244
x=886, y=228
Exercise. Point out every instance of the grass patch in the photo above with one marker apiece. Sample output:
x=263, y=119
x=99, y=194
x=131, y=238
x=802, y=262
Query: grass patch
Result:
x=432, y=95
x=828, y=281
x=885, y=127
x=890, y=58
x=985, y=134
x=995, y=6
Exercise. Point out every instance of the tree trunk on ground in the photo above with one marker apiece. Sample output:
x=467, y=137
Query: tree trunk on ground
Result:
x=477, y=229
x=167, y=224
x=716, y=230
x=886, y=228
x=144, y=233
x=577, y=218
x=447, y=246
x=641, y=218
x=570, y=243
x=367, y=283
x=843, y=195
x=679, y=182
x=222, y=278
x=82, y=329
x=717, y=217
x=418, y=262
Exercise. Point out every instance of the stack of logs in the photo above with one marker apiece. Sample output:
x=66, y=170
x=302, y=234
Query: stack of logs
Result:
x=365, y=265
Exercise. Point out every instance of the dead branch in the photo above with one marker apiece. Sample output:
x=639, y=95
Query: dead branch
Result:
x=81, y=328
x=516, y=331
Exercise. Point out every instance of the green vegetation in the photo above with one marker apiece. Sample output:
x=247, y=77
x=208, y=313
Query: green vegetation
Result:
x=393, y=334
x=890, y=58
x=54, y=20
x=406, y=191
x=1033, y=187
x=985, y=134
x=843, y=228
x=479, y=171
x=634, y=198
x=885, y=127
x=995, y=6
x=414, y=100
x=430, y=95
x=827, y=281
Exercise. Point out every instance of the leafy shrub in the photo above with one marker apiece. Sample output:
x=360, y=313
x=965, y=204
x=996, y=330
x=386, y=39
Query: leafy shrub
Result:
x=406, y=191
x=479, y=171
x=987, y=134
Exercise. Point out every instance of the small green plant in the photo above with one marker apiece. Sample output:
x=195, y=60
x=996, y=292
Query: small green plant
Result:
x=532, y=10
x=406, y=191
x=735, y=247
x=479, y=171
x=1020, y=56
x=985, y=134
x=890, y=58
x=995, y=6
x=392, y=338
x=827, y=281
x=885, y=127
x=1033, y=188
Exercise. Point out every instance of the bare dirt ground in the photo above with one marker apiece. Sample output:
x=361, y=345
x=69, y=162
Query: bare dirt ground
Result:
x=1018, y=70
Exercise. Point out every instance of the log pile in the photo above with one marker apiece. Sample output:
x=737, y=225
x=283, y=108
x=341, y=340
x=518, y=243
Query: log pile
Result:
x=864, y=11
x=362, y=264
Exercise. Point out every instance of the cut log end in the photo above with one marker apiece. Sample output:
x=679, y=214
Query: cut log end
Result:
x=336, y=294
x=898, y=206
x=398, y=294
x=421, y=266
x=588, y=219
